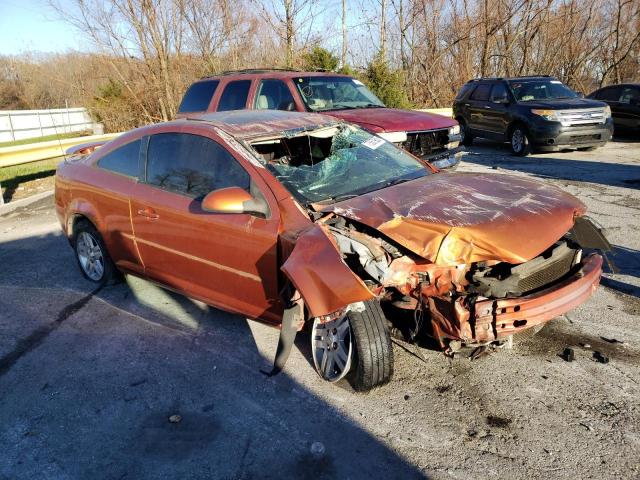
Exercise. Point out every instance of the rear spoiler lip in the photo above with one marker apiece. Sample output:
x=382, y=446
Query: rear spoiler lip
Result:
x=84, y=148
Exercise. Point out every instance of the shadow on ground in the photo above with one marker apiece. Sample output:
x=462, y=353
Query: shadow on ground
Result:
x=88, y=393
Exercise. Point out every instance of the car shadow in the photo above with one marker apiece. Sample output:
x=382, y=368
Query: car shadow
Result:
x=130, y=356
x=547, y=166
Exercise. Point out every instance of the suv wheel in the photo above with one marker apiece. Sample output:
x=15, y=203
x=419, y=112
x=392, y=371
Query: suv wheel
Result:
x=356, y=346
x=466, y=137
x=92, y=256
x=520, y=143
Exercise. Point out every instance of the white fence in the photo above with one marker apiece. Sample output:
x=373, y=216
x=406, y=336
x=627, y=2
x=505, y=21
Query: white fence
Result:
x=20, y=124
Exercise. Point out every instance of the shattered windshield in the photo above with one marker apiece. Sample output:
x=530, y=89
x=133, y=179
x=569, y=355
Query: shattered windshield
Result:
x=335, y=163
x=321, y=94
x=540, y=90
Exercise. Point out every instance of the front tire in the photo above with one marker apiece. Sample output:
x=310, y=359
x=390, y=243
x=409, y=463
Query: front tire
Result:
x=356, y=346
x=92, y=256
x=467, y=138
x=520, y=141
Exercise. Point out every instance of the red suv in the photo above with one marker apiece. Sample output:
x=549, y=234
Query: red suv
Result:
x=428, y=136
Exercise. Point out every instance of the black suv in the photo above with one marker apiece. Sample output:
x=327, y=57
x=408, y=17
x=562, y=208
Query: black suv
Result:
x=531, y=113
x=624, y=101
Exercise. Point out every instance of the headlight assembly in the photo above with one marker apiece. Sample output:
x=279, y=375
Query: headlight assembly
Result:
x=550, y=115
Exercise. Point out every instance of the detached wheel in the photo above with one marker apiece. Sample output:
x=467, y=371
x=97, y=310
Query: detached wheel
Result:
x=356, y=346
x=520, y=142
x=466, y=137
x=92, y=256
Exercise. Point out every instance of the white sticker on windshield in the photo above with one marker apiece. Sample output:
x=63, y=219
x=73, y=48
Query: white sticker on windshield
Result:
x=358, y=82
x=556, y=81
x=373, y=143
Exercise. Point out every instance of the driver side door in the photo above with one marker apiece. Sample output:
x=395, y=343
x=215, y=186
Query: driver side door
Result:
x=228, y=260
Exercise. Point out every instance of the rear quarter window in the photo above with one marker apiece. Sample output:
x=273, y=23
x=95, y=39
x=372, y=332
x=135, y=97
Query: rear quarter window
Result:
x=198, y=96
x=463, y=91
x=481, y=93
x=124, y=160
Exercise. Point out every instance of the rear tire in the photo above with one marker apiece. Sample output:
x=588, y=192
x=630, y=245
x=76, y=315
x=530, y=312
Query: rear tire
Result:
x=519, y=141
x=92, y=255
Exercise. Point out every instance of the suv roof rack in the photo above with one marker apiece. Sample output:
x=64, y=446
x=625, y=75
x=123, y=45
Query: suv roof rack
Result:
x=482, y=79
x=250, y=71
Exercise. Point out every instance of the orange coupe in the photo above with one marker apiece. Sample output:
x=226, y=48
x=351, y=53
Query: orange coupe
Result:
x=298, y=218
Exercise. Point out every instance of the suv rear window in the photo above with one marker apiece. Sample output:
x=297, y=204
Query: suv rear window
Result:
x=481, y=92
x=198, y=96
x=234, y=96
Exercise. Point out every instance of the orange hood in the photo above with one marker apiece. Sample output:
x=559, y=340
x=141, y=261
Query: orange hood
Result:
x=458, y=218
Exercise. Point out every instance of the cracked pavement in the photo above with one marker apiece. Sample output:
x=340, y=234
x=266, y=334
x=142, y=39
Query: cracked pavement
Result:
x=88, y=379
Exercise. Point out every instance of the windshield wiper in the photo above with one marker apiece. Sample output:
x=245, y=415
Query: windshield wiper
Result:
x=396, y=181
x=337, y=198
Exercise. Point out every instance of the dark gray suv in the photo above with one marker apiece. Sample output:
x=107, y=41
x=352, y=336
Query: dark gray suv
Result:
x=538, y=113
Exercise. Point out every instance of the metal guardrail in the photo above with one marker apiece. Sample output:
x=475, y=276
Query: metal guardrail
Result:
x=445, y=112
x=34, y=152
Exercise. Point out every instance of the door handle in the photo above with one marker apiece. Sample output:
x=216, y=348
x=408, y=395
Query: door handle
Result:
x=148, y=213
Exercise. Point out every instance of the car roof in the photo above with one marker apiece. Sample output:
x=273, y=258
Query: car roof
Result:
x=620, y=85
x=271, y=73
x=244, y=124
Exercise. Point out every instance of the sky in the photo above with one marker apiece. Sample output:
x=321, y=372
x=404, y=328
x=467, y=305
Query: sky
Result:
x=32, y=25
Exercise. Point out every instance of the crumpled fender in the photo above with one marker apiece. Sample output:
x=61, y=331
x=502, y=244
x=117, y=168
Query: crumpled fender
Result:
x=316, y=269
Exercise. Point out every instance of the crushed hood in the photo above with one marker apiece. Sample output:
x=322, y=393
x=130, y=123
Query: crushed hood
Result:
x=458, y=218
x=393, y=119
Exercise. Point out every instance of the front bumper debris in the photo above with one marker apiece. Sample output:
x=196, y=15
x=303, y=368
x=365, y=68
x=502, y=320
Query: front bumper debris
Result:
x=489, y=320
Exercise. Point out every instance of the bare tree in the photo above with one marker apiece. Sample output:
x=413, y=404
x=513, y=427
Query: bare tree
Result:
x=291, y=21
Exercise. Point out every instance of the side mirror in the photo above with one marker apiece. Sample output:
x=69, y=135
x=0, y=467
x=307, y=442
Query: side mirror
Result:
x=234, y=200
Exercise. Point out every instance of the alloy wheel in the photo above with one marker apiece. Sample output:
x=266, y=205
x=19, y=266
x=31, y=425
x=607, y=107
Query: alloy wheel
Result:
x=517, y=140
x=90, y=256
x=332, y=348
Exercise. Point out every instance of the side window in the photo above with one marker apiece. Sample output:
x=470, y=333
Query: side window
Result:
x=198, y=96
x=630, y=95
x=481, y=93
x=465, y=88
x=234, y=96
x=123, y=160
x=274, y=95
x=192, y=165
x=498, y=91
x=610, y=94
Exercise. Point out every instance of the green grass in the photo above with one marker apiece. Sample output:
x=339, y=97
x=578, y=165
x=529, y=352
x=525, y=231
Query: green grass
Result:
x=12, y=177
x=47, y=138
